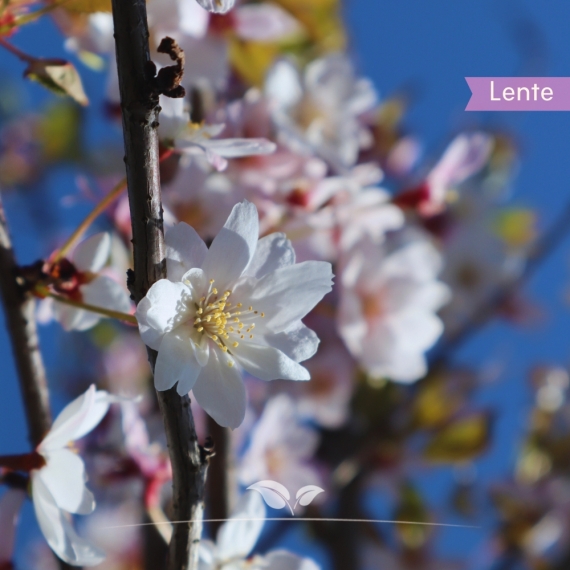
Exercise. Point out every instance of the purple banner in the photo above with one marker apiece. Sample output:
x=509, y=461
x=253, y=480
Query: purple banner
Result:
x=519, y=94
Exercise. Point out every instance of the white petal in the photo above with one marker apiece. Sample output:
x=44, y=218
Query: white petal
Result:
x=220, y=390
x=176, y=362
x=72, y=319
x=217, y=6
x=173, y=117
x=268, y=363
x=288, y=294
x=64, y=476
x=236, y=538
x=283, y=84
x=235, y=148
x=10, y=505
x=415, y=330
x=283, y=560
x=169, y=305
x=272, y=252
x=58, y=531
x=264, y=22
x=150, y=336
x=107, y=293
x=233, y=247
x=68, y=422
x=184, y=250
x=299, y=343
x=93, y=253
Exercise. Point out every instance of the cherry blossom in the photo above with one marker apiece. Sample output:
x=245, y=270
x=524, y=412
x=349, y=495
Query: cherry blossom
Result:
x=58, y=486
x=388, y=301
x=239, y=302
x=237, y=538
x=280, y=448
x=319, y=113
x=79, y=278
x=176, y=128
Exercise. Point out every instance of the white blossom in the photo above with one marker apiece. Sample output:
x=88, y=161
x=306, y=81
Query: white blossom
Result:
x=239, y=302
x=88, y=285
x=388, y=302
x=217, y=6
x=237, y=538
x=58, y=488
x=188, y=137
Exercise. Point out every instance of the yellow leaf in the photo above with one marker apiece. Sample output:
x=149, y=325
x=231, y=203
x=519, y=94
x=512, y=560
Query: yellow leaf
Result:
x=460, y=440
x=58, y=76
x=87, y=6
x=252, y=60
x=58, y=132
x=516, y=227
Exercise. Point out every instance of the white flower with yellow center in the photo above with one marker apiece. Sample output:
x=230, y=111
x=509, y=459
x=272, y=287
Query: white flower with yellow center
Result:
x=238, y=304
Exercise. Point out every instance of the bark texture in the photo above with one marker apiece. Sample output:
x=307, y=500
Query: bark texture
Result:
x=139, y=104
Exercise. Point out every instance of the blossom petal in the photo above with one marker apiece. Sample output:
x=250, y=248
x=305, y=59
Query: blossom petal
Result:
x=93, y=253
x=10, y=505
x=184, y=250
x=169, y=305
x=268, y=363
x=72, y=319
x=299, y=343
x=235, y=148
x=233, y=247
x=288, y=294
x=217, y=6
x=236, y=538
x=264, y=22
x=176, y=362
x=107, y=293
x=284, y=560
x=68, y=422
x=272, y=252
x=58, y=531
x=220, y=390
x=150, y=336
x=283, y=84
x=64, y=476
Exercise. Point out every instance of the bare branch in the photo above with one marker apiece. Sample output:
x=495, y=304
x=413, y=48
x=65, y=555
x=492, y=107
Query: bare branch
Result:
x=19, y=310
x=139, y=105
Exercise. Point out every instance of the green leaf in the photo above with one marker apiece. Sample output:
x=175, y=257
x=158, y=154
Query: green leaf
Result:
x=58, y=76
x=59, y=132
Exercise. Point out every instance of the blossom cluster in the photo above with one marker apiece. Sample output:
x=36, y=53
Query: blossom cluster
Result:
x=310, y=242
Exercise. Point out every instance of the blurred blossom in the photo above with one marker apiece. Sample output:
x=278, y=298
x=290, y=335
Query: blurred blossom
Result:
x=237, y=538
x=79, y=278
x=58, y=487
x=10, y=504
x=281, y=448
x=320, y=111
x=388, y=301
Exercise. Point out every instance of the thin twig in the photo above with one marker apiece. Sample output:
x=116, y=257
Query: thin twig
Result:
x=125, y=317
x=139, y=105
x=90, y=218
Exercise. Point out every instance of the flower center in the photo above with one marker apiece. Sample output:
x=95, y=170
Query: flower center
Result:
x=223, y=322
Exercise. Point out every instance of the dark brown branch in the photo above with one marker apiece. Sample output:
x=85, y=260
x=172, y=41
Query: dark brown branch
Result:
x=19, y=311
x=220, y=485
x=21, y=323
x=139, y=105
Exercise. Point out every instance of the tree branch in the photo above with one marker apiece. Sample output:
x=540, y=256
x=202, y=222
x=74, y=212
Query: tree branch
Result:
x=221, y=485
x=21, y=323
x=139, y=105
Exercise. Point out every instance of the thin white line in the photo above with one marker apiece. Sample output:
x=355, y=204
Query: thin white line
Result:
x=382, y=521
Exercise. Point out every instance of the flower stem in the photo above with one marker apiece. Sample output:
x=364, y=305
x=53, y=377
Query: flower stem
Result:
x=117, y=190
x=101, y=310
x=17, y=52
